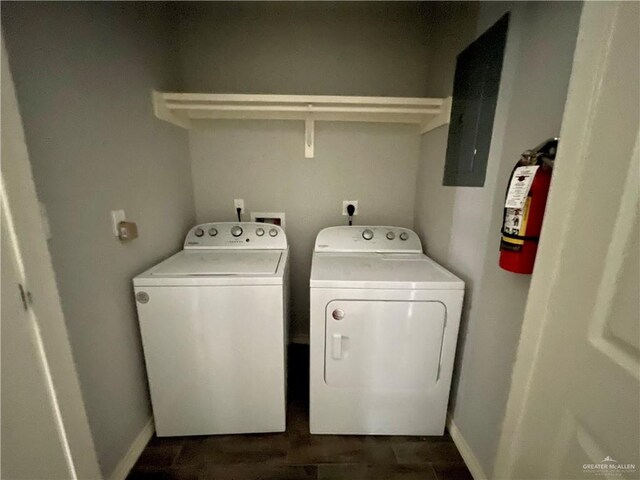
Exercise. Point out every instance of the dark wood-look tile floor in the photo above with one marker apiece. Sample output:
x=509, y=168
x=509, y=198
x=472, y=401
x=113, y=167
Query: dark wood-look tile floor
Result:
x=297, y=455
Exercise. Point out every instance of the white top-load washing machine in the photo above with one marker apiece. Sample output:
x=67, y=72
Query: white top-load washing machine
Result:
x=384, y=325
x=213, y=320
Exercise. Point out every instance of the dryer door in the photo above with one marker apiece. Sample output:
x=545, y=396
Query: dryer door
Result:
x=383, y=344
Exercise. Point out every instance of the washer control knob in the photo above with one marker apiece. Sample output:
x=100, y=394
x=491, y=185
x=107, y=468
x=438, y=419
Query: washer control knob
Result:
x=199, y=232
x=236, y=231
x=367, y=234
x=213, y=232
x=404, y=236
x=259, y=231
x=338, y=314
x=391, y=235
x=273, y=232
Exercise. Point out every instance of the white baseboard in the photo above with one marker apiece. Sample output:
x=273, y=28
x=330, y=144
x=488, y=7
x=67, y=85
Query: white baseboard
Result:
x=465, y=450
x=301, y=339
x=131, y=457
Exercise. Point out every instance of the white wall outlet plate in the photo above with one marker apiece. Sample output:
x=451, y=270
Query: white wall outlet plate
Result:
x=117, y=216
x=346, y=203
x=239, y=203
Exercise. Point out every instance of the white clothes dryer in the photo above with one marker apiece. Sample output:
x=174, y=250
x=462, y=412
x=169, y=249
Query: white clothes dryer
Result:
x=384, y=326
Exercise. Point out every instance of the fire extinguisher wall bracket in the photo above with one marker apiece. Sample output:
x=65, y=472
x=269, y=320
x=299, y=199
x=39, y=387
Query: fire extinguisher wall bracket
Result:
x=529, y=182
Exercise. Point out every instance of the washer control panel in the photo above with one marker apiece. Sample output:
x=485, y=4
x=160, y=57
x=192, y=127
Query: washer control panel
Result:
x=245, y=235
x=368, y=239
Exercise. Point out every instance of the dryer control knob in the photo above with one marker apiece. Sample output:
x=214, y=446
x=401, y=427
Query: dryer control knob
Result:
x=199, y=232
x=404, y=236
x=367, y=234
x=391, y=235
x=213, y=232
x=273, y=232
x=236, y=231
x=260, y=231
x=338, y=314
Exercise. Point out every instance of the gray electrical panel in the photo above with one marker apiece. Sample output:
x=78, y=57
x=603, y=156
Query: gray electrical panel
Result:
x=475, y=94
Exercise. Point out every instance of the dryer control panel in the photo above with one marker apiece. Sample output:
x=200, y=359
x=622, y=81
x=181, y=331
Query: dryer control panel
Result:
x=238, y=235
x=368, y=239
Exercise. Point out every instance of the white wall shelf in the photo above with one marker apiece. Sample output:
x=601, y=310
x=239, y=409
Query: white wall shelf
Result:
x=182, y=108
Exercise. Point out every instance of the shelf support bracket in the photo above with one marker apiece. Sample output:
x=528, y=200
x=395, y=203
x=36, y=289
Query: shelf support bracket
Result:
x=440, y=119
x=309, y=133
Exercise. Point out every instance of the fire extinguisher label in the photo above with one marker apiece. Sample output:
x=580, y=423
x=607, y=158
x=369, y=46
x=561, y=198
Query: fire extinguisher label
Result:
x=515, y=223
x=519, y=187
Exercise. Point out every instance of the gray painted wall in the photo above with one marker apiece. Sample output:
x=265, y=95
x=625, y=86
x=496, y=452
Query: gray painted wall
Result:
x=461, y=225
x=83, y=73
x=339, y=48
x=452, y=28
x=306, y=48
x=263, y=162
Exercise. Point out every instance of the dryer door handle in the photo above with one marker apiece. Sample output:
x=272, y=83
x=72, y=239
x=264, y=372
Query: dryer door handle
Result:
x=336, y=346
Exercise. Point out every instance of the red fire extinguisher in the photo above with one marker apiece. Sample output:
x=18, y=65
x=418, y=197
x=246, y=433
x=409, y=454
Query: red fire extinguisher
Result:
x=524, y=207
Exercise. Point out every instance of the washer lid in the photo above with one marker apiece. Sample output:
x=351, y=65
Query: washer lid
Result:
x=219, y=262
x=380, y=270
